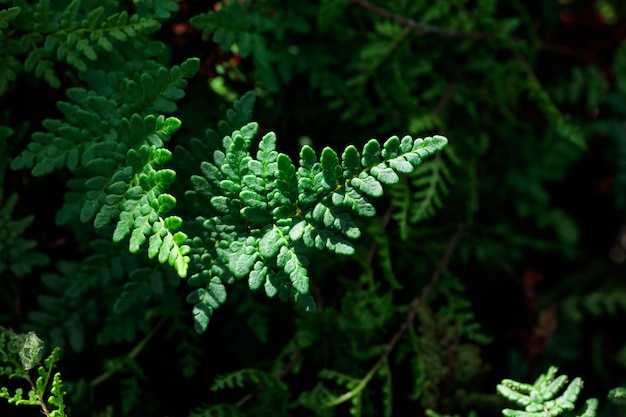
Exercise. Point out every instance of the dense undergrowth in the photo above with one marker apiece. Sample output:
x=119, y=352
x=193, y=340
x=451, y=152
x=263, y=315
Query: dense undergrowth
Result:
x=196, y=220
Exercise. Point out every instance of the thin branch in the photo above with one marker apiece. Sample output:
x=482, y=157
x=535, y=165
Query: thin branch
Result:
x=131, y=355
x=40, y=399
x=419, y=299
x=283, y=372
x=249, y=396
x=443, y=101
x=425, y=29
x=384, y=223
x=415, y=304
x=392, y=47
x=421, y=28
x=436, y=112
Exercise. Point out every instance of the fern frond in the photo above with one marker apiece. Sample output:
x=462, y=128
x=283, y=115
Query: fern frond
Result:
x=444, y=340
x=49, y=33
x=143, y=284
x=94, y=119
x=117, y=27
x=419, y=195
x=143, y=206
x=56, y=396
x=457, y=309
x=541, y=398
x=618, y=397
x=38, y=60
x=79, y=292
x=194, y=159
x=18, y=397
x=387, y=389
x=188, y=345
x=218, y=410
x=586, y=84
x=157, y=89
x=19, y=353
x=206, y=300
x=48, y=151
x=17, y=252
x=238, y=116
x=157, y=9
x=329, y=12
x=7, y=15
x=267, y=213
x=123, y=151
x=606, y=301
x=8, y=72
x=245, y=28
x=247, y=376
x=131, y=393
x=353, y=386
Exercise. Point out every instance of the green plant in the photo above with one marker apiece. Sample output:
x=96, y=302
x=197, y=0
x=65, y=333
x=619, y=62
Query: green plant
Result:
x=150, y=128
x=267, y=213
x=541, y=399
x=18, y=254
x=19, y=353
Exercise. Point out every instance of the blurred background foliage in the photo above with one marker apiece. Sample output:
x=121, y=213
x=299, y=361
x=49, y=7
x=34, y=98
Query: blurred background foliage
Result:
x=502, y=255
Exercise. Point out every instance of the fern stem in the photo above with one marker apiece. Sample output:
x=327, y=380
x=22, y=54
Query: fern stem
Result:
x=40, y=400
x=422, y=28
x=415, y=303
x=131, y=355
x=447, y=94
x=384, y=223
x=425, y=29
x=384, y=57
x=283, y=372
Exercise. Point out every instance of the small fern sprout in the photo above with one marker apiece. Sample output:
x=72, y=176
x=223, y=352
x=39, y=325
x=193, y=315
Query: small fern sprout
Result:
x=19, y=353
x=540, y=399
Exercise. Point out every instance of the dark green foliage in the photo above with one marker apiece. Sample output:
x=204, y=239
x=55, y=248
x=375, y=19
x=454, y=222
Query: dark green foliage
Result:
x=257, y=30
x=416, y=271
x=81, y=33
x=120, y=153
x=419, y=195
x=18, y=255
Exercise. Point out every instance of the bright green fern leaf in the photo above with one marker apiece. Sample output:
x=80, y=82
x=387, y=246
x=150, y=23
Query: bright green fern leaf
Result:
x=144, y=206
x=265, y=214
x=542, y=399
